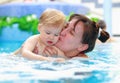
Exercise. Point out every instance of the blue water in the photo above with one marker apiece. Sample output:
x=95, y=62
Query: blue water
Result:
x=103, y=66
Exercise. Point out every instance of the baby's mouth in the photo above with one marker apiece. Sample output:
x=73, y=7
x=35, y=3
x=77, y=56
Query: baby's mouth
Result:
x=49, y=42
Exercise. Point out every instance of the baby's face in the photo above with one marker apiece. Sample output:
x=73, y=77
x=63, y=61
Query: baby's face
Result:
x=50, y=35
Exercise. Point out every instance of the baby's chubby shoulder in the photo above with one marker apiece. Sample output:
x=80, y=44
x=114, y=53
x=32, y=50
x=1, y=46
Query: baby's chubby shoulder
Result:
x=33, y=38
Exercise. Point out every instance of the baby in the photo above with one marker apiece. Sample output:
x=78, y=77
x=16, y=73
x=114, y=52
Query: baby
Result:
x=51, y=23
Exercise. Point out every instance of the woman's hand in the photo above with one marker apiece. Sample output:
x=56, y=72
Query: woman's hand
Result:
x=50, y=51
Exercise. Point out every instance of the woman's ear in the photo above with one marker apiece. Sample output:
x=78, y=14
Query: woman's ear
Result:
x=82, y=47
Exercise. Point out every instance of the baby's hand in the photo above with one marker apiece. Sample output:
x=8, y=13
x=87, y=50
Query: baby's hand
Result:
x=50, y=51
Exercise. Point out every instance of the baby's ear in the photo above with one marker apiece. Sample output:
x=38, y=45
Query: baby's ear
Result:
x=39, y=27
x=82, y=47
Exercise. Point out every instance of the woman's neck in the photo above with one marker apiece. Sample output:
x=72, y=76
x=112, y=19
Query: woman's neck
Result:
x=76, y=53
x=71, y=54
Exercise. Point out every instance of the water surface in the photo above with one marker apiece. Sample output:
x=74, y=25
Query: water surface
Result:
x=102, y=66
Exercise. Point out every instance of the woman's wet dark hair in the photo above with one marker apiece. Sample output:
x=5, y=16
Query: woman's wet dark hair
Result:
x=103, y=35
x=91, y=31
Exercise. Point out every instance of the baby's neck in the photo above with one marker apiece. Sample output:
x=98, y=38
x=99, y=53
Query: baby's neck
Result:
x=41, y=41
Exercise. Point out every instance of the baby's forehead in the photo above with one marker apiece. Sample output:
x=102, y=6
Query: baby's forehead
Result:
x=53, y=29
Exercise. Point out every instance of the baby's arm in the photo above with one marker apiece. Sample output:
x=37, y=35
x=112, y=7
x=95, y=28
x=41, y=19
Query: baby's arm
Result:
x=16, y=52
x=28, y=47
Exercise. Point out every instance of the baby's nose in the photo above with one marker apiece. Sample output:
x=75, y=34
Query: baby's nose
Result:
x=51, y=37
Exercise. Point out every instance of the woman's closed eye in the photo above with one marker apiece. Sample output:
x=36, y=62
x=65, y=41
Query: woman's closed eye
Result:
x=72, y=32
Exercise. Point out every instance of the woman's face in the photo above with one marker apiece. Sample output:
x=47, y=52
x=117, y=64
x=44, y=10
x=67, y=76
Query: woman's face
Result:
x=71, y=37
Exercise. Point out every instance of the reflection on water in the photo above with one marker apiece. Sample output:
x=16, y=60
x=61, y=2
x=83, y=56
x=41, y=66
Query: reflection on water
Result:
x=103, y=66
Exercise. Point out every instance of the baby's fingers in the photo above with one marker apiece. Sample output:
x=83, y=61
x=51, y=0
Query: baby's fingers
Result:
x=50, y=51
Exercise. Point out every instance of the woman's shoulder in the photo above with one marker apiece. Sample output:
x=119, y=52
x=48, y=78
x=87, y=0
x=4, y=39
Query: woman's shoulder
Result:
x=83, y=55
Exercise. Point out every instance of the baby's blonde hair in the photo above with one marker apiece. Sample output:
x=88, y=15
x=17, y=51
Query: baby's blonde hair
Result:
x=52, y=17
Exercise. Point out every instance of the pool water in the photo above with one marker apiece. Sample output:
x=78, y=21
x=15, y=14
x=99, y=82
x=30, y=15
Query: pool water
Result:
x=103, y=66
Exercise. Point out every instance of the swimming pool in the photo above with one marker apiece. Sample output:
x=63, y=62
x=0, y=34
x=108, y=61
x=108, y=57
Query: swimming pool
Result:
x=103, y=66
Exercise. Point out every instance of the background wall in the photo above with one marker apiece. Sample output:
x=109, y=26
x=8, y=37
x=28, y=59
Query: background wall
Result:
x=96, y=6
x=22, y=9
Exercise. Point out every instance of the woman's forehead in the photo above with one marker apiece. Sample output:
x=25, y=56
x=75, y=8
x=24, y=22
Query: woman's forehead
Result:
x=72, y=21
x=71, y=24
x=78, y=26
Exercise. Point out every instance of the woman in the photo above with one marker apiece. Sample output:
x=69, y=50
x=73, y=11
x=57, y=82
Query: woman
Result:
x=78, y=37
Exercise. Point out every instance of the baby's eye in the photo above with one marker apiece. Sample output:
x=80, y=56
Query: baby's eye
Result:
x=48, y=33
x=56, y=35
